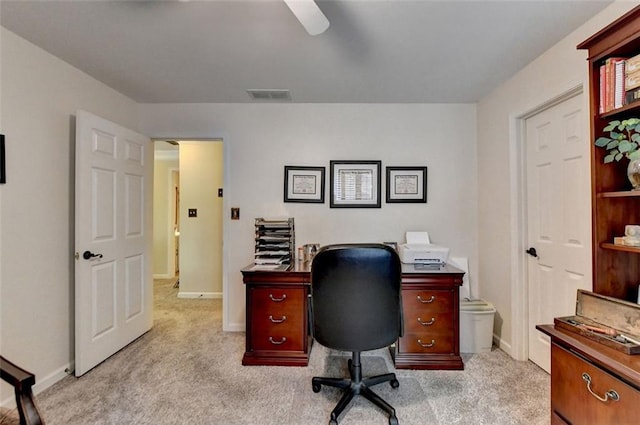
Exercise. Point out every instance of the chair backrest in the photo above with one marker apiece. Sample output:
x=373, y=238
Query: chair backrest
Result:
x=355, y=293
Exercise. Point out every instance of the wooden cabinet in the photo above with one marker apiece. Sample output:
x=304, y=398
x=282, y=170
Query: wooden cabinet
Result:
x=431, y=337
x=584, y=371
x=591, y=383
x=616, y=268
x=278, y=319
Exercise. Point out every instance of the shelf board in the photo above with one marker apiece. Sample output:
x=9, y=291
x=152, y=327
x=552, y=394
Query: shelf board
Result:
x=620, y=194
x=614, y=112
x=608, y=245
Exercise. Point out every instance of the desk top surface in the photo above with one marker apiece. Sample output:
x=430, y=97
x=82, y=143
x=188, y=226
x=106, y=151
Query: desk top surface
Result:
x=305, y=267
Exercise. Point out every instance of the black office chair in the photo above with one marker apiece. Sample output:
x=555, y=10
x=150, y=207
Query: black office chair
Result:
x=356, y=306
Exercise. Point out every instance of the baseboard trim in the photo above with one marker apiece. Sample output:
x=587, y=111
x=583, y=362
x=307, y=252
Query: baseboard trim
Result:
x=504, y=346
x=235, y=327
x=200, y=295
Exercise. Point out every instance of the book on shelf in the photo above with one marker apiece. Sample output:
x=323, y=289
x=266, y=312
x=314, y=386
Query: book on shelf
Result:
x=632, y=95
x=612, y=76
x=619, y=80
x=633, y=64
x=603, y=86
x=618, y=84
x=632, y=80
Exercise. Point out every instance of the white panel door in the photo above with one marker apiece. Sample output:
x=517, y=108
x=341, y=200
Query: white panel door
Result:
x=558, y=217
x=113, y=239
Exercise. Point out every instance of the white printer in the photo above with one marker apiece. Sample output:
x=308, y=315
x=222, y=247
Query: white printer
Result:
x=419, y=249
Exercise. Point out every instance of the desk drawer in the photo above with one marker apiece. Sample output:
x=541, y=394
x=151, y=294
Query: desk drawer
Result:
x=572, y=401
x=277, y=319
x=440, y=342
x=418, y=302
x=428, y=322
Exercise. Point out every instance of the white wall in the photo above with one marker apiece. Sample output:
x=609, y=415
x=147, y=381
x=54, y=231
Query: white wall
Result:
x=260, y=139
x=554, y=72
x=40, y=96
x=201, y=174
x=163, y=216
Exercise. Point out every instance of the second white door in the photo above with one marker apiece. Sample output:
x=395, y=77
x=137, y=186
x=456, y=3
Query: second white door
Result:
x=558, y=216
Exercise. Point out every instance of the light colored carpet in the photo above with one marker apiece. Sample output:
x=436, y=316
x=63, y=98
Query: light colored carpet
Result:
x=187, y=371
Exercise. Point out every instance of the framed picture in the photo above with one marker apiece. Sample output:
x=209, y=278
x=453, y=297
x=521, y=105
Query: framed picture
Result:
x=407, y=184
x=3, y=171
x=355, y=184
x=304, y=184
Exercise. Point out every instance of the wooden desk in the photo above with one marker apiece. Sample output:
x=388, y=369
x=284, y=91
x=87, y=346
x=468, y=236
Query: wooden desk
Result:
x=278, y=318
x=573, y=356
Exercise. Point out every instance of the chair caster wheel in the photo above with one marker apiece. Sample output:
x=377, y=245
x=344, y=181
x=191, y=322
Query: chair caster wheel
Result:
x=393, y=420
x=316, y=387
x=394, y=383
x=333, y=422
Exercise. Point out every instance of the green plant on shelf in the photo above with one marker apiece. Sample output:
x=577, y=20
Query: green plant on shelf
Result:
x=623, y=140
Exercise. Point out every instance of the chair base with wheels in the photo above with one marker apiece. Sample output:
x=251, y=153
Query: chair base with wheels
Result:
x=357, y=386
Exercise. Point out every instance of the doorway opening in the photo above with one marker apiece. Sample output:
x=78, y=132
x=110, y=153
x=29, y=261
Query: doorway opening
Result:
x=188, y=219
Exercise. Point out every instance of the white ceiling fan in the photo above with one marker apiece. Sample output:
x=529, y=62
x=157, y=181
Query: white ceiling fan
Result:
x=309, y=15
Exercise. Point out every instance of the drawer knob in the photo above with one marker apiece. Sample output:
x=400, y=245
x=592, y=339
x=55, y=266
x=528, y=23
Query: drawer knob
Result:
x=277, y=320
x=277, y=300
x=274, y=342
x=430, y=300
x=428, y=322
x=427, y=345
x=611, y=394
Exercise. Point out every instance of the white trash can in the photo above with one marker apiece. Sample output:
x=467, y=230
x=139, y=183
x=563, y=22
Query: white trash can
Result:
x=476, y=326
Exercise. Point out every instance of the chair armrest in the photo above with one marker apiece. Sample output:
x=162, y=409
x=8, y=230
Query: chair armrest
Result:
x=15, y=375
x=22, y=381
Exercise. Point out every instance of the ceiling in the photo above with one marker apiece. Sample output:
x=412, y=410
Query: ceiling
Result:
x=378, y=51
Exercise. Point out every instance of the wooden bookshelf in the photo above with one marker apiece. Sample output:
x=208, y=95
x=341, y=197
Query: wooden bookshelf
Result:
x=616, y=268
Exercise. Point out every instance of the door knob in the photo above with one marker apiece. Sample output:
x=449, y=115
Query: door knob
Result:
x=87, y=255
x=532, y=252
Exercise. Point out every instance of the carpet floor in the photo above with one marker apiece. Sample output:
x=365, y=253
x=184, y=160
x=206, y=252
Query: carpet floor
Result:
x=185, y=370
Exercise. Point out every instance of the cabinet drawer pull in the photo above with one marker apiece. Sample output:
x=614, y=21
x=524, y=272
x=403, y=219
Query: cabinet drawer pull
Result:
x=277, y=320
x=277, y=300
x=428, y=345
x=430, y=300
x=427, y=323
x=274, y=342
x=611, y=394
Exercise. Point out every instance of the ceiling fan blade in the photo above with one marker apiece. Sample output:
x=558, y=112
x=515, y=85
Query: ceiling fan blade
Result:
x=309, y=15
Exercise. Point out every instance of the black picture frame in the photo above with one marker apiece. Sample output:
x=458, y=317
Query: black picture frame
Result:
x=406, y=184
x=304, y=184
x=355, y=184
x=3, y=170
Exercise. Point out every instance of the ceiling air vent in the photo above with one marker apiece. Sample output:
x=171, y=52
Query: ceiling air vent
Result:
x=267, y=95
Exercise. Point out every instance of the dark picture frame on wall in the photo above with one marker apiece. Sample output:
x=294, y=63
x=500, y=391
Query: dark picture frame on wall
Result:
x=355, y=184
x=3, y=171
x=406, y=184
x=304, y=184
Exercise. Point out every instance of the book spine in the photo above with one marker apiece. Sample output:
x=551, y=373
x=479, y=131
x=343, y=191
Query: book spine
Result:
x=603, y=84
x=610, y=84
x=619, y=84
